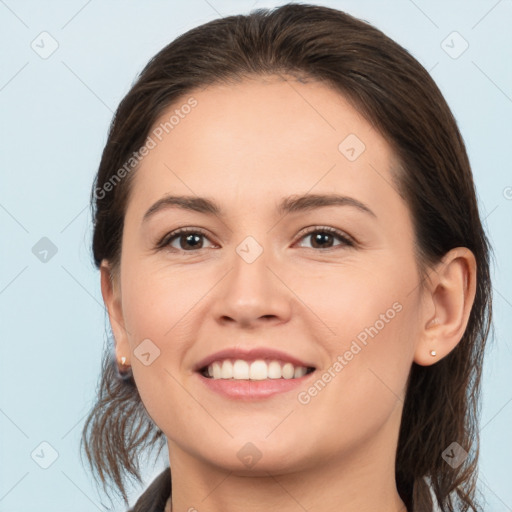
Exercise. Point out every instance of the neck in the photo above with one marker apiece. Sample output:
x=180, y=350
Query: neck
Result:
x=357, y=482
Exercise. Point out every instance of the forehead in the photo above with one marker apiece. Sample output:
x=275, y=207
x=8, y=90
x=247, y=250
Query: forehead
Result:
x=261, y=137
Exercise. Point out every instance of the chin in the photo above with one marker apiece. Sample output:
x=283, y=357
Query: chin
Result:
x=250, y=455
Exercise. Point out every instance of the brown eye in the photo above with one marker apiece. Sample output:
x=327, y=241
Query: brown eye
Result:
x=323, y=237
x=188, y=240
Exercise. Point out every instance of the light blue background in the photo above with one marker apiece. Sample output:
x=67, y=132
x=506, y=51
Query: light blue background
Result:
x=55, y=113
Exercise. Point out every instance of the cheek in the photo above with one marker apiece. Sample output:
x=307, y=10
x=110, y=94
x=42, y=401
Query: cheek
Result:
x=359, y=298
x=157, y=302
x=368, y=321
x=364, y=381
x=157, y=306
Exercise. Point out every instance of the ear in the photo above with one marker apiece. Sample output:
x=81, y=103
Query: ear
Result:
x=451, y=292
x=111, y=292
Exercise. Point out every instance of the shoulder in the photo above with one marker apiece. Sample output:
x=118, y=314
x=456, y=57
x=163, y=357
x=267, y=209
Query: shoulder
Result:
x=154, y=497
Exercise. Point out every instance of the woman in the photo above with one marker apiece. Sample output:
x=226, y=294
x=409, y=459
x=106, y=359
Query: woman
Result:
x=295, y=272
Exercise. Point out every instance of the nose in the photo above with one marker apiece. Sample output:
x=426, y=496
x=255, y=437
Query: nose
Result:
x=253, y=292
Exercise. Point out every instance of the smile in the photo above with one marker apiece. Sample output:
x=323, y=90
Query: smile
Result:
x=259, y=369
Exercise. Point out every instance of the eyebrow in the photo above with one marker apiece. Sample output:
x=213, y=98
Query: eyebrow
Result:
x=290, y=204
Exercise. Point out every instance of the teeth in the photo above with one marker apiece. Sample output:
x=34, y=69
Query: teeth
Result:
x=257, y=370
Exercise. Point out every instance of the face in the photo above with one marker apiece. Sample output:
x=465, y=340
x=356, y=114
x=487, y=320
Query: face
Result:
x=344, y=300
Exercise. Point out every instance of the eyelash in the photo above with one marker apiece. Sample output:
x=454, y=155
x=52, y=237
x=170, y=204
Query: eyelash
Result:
x=169, y=237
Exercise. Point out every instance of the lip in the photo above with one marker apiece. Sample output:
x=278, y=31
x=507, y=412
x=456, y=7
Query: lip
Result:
x=250, y=355
x=253, y=389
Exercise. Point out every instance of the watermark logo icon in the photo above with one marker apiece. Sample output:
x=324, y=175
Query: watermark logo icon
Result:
x=454, y=45
x=249, y=454
x=147, y=352
x=249, y=249
x=44, y=250
x=454, y=455
x=45, y=45
x=44, y=455
x=351, y=147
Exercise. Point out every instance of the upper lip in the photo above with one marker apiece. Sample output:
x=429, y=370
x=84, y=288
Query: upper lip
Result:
x=250, y=355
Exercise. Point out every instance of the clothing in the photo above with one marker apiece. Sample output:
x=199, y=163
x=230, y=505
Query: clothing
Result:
x=154, y=497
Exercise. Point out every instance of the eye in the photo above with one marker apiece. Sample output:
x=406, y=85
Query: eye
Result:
x=324, y=235
x=188, y=239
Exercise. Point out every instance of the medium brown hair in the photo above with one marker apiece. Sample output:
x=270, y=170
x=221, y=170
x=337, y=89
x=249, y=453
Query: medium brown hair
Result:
x=399, y=98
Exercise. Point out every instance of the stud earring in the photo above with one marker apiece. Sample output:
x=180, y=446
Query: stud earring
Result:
x=123, y=368
x=433, y=353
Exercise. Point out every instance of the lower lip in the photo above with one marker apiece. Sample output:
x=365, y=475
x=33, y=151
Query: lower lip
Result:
x=253, y=389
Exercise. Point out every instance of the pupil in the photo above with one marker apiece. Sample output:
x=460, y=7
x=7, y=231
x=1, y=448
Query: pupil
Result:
x=189, y=239
x=320, y=237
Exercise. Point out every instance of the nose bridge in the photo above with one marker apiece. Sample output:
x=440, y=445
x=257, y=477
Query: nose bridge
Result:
x=250, y=279
x=251, y=290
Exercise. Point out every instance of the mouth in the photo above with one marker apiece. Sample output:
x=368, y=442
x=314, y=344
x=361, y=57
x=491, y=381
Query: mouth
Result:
x=255, y=380
x=254, y=370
